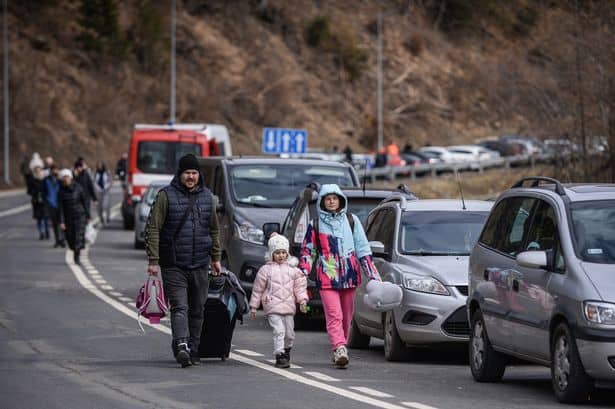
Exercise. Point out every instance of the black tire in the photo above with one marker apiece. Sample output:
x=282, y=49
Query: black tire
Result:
x=394, y=348
x=486, y=364
x=356, y=340
x=570, y=382
x=128, y=223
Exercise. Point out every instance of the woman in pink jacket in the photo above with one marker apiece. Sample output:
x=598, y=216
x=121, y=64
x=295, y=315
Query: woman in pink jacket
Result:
x=279, y=285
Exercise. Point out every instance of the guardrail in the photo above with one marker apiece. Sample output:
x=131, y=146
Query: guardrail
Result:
x=392, y=172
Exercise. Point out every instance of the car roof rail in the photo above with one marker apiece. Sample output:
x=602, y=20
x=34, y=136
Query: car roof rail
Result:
x=396, y=197
x=559, y=188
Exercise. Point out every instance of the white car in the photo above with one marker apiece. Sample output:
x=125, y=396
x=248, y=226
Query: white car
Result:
x=440, y=152
x=473, y=153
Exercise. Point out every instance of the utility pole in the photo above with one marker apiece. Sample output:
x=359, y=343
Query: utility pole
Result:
x=173, y=25
x=379, y=80
x=5, y=93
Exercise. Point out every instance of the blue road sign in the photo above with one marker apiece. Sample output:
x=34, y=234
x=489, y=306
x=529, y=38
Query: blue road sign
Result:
x=284, y=140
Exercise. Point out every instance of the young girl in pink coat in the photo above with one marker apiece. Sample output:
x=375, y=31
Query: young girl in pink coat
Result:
x=279, y=285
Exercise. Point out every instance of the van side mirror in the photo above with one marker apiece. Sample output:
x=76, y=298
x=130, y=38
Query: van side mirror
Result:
x=533, y=259
x=269, y=229
x=377, y=248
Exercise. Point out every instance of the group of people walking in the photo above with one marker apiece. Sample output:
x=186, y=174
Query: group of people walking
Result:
x=182, y=240
x=64, y=196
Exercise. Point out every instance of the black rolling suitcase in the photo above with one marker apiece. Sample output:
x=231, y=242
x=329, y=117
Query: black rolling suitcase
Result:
x=225, y=305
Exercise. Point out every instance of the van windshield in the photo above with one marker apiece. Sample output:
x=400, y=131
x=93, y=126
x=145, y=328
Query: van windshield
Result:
x=162, y=157
x=440, y=233
x=594, y=230
x=278, y=185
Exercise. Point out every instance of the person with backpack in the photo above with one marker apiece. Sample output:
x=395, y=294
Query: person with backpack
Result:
x=279, y=285
x=181, y=238
x=336, y=246
x=51, y=191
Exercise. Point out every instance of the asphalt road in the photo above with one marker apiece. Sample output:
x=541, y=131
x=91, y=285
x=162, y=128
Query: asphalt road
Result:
x=69, y=339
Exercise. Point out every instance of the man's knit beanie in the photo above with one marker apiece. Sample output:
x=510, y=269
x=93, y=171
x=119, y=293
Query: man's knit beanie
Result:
x=188, y=162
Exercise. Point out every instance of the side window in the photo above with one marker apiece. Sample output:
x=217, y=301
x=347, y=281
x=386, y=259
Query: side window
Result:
x=516, y=220
x=375, y=225
x=387, y=230
x=543, y=232
x=493, y=225
x=218, y=183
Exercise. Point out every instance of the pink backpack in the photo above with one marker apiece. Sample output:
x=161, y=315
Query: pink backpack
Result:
x=151, y=302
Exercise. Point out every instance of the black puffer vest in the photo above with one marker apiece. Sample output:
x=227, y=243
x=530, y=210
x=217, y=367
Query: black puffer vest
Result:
x=193, y=242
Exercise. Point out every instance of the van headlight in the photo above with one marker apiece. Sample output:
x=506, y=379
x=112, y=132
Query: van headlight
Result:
x=599, y=312
x=246, y=231
x=424, y=285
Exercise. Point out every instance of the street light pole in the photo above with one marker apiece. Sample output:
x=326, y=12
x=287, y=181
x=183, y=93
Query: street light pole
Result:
x=379, y=80
x=173, y=24
x=5, y=93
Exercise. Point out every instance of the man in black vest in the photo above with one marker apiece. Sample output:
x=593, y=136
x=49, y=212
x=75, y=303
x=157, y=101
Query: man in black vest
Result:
x=181, y=237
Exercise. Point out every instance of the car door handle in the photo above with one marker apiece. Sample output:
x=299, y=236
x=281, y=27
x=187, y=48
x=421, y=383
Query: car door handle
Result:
x=488, y=272
x=515, y=284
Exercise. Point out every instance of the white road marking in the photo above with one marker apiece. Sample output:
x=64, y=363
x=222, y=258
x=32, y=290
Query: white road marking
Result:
x=371, y=392
x=417, y=405
x=100, y=280
x=248, y=352
x=88, y=285
x=292, y=366
x=321, y=376
x=126, y=299
x=106, y=287
x=115, y=293
x=12, y=192
x=15, y=210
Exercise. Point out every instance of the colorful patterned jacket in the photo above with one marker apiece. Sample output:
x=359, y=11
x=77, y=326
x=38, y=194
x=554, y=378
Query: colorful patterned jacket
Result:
x=344, y=251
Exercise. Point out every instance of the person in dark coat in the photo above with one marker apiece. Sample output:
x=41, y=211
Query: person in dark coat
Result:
x=36, y=186
x=51, y=191
x=74, y=212
x=83, y=177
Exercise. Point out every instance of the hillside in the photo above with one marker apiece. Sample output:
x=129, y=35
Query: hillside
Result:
x=83, y=72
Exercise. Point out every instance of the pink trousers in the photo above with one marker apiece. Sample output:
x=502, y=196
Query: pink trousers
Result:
x=338, y=306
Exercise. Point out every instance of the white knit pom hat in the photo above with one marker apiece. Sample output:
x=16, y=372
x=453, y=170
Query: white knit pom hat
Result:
x=277, y=242
x=65, y=172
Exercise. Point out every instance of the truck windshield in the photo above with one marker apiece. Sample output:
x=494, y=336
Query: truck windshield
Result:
x=163, y=157
x=440, y=233
x=594, y=230
x=278, y=185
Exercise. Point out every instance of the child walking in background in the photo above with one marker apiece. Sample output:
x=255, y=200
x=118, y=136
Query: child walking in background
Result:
x=279, y=285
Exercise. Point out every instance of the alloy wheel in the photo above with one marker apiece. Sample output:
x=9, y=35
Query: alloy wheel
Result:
x=478, y=345
x=561, y=369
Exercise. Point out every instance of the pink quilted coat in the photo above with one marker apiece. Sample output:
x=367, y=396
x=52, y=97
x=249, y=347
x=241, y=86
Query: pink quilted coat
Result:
x=279, y=287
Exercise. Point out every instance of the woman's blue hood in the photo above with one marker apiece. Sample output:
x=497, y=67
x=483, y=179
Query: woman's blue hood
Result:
x=327, y=190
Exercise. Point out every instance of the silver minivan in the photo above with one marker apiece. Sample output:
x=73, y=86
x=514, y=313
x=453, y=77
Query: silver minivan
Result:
x=542, y=285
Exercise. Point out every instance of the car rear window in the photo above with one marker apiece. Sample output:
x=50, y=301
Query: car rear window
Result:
x=162, y=156
x=440, y=233
x=278, y=185
x=594, y=230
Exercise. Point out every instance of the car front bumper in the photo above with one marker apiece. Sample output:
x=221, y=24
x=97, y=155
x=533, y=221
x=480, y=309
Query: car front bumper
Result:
x=598, y=358
x=424, y=318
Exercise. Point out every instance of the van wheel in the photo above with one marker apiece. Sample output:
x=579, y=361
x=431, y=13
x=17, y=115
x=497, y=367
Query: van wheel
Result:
x=486, y=364
x=394, y=347
x=570, y=382
x=356, y=340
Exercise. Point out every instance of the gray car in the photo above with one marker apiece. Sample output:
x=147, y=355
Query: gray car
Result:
x=253, y=191
x=542, y=285
x=422, y=245
x=143, y=208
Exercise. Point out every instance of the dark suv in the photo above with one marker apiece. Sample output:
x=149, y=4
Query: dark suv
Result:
x=360, y=202
x=542, y=285
x=252, y=191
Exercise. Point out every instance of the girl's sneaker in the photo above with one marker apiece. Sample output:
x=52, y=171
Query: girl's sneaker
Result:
x=340, y=357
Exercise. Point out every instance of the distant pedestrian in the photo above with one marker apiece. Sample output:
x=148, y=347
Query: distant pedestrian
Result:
x=340, y=250
x=82, y=176
x=121, y=167
x=348, y=154
x=102, y=185
x=279, y=286
x=408, y=148
x=181, y=236
x=74, y=212
x=51, y=190
x=36, y=185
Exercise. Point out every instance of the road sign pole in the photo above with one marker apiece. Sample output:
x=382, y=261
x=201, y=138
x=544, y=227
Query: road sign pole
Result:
x=379, y=80
x=173, y=25
x=5, y=93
